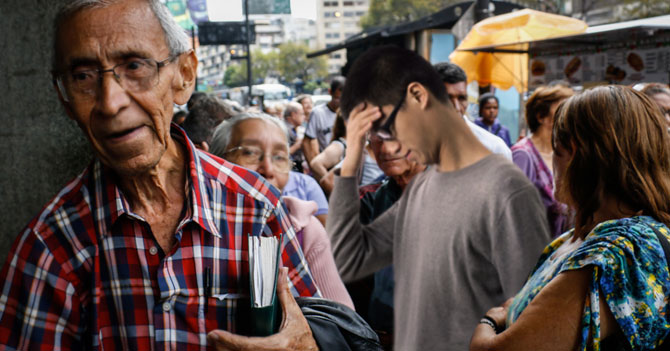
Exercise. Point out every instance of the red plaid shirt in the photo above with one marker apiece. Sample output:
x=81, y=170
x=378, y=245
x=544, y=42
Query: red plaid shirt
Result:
x=88, y=274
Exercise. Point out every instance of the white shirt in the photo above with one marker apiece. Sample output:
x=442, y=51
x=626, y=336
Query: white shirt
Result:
x=490, y=141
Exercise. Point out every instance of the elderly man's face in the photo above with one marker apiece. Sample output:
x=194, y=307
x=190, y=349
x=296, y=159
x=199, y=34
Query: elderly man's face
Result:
x=129, y=131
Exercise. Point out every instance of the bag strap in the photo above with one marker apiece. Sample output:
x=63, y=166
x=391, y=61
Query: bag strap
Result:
x=665, y=346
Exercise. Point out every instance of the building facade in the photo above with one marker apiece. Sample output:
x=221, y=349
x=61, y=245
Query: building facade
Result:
x=338, y=20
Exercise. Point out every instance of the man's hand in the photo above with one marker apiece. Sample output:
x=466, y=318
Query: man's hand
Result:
x=294, y=333
x=359, y=124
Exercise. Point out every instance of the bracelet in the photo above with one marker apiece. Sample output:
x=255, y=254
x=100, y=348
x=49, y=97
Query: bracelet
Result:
x=488, y=320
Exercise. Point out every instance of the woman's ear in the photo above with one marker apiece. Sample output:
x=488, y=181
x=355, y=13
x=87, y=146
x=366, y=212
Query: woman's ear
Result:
x=184, y=82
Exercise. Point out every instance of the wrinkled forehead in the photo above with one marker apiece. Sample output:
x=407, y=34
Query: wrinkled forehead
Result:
x=256, y=131
x=115, y=28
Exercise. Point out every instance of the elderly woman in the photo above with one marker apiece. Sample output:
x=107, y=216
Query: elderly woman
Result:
x=603, y=284
x=260, y=143
x=533, y=154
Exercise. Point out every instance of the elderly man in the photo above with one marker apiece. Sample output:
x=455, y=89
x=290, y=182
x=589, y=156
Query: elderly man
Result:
x=144, y=249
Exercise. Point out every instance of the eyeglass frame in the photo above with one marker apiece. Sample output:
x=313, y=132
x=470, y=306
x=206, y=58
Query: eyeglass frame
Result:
x=57, y=76
x=291, y=163
x=385, y=131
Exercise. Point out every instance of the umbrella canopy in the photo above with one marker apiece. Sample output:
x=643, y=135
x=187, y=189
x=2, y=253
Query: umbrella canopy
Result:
x=505, y=69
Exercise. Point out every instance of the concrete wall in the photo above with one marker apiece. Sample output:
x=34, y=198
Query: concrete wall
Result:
x=42, y=149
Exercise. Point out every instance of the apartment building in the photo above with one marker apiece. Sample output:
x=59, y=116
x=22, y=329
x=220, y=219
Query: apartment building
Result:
x=337, y=20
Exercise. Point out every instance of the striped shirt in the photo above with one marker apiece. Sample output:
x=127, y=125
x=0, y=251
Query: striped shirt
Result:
x=88, y=274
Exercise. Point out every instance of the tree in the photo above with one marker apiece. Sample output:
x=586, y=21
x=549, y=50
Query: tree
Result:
x=644, y=8
x=387, y=12
x=235, y=75
x=293, y=63
x=264, y=65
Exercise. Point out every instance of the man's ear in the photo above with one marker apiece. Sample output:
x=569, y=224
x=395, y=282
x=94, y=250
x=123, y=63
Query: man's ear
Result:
x=419, y=95
x=184, y=82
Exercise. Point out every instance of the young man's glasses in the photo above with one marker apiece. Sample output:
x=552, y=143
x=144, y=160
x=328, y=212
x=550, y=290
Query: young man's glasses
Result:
x=385, y=130
x=249, y=155
x=134, y=75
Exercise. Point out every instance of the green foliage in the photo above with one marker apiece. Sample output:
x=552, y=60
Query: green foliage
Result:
x=264, y=65
x=235, y=75
x=387, y=12
x=645, y=8
x=289, y=63
x=313, y=85
x=293, y=63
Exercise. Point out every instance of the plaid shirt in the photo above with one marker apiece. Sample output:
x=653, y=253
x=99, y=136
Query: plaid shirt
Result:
x=88, y=274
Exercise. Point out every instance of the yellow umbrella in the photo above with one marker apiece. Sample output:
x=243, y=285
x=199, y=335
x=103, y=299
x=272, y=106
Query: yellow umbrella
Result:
x=514, y=31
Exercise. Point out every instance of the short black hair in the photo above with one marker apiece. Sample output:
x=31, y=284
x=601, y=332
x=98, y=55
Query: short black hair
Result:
x=486, y=97
x=381, y=75
x=450, y=73
x=337, y=83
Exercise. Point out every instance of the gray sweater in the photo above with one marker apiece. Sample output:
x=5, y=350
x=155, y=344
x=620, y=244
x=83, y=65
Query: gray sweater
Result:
x=461, y=242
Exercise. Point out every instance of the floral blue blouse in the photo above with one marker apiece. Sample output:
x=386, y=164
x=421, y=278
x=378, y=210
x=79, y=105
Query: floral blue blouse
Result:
x=630, y=271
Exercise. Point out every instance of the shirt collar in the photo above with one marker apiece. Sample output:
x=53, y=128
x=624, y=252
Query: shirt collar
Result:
x=111, y=204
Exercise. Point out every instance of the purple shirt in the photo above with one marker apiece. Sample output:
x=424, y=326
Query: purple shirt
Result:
x=526, y=157
x=306, y=188
x=496, y=129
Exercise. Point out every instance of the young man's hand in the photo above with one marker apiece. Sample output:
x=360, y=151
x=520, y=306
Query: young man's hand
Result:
x=294, y=333
x=358, y=125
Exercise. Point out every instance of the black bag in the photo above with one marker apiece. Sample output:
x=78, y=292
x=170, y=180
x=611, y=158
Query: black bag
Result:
x=618, y=342
x=337, y=327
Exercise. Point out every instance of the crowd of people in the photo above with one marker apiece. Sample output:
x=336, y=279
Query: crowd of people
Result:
x=389, y=200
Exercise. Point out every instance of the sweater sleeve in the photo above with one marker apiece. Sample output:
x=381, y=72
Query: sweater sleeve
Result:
x=520, y=234
x=322, y=264
x=523, y=160
x=359, y=250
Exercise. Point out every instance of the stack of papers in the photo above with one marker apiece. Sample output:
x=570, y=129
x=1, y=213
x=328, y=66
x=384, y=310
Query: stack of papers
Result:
x=263, y=268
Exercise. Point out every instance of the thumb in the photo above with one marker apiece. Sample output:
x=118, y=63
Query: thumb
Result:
x=286, y=299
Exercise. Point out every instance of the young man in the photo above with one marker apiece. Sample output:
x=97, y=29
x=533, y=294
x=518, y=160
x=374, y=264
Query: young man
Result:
x=321, y=120
x=465, y=233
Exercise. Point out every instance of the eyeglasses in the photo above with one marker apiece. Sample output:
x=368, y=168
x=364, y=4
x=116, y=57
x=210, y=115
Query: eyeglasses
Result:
x=385, y=130
x=254, y=156
x=134, y=76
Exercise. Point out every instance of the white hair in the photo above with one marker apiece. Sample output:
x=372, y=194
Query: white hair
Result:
x=175, y=37
x=291, y=107
x=223, y=134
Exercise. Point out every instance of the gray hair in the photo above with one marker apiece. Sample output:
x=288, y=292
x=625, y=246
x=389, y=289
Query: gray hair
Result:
x=224, y=132
x=291, y=107
x=175, y=37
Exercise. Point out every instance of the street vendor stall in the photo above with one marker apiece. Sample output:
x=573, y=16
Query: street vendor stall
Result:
x=619, y=53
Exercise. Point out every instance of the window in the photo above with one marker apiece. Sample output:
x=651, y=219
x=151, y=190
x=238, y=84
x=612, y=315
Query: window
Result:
x=360, y=13
x=348, y=3
x=336, y=56
x=348, y=14
x=349, y=35
x=330, y=3
x=328, y=14
x=332, y=35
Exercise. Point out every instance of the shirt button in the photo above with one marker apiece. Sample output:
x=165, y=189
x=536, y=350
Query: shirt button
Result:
x=153, y=250
x=166, y=306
